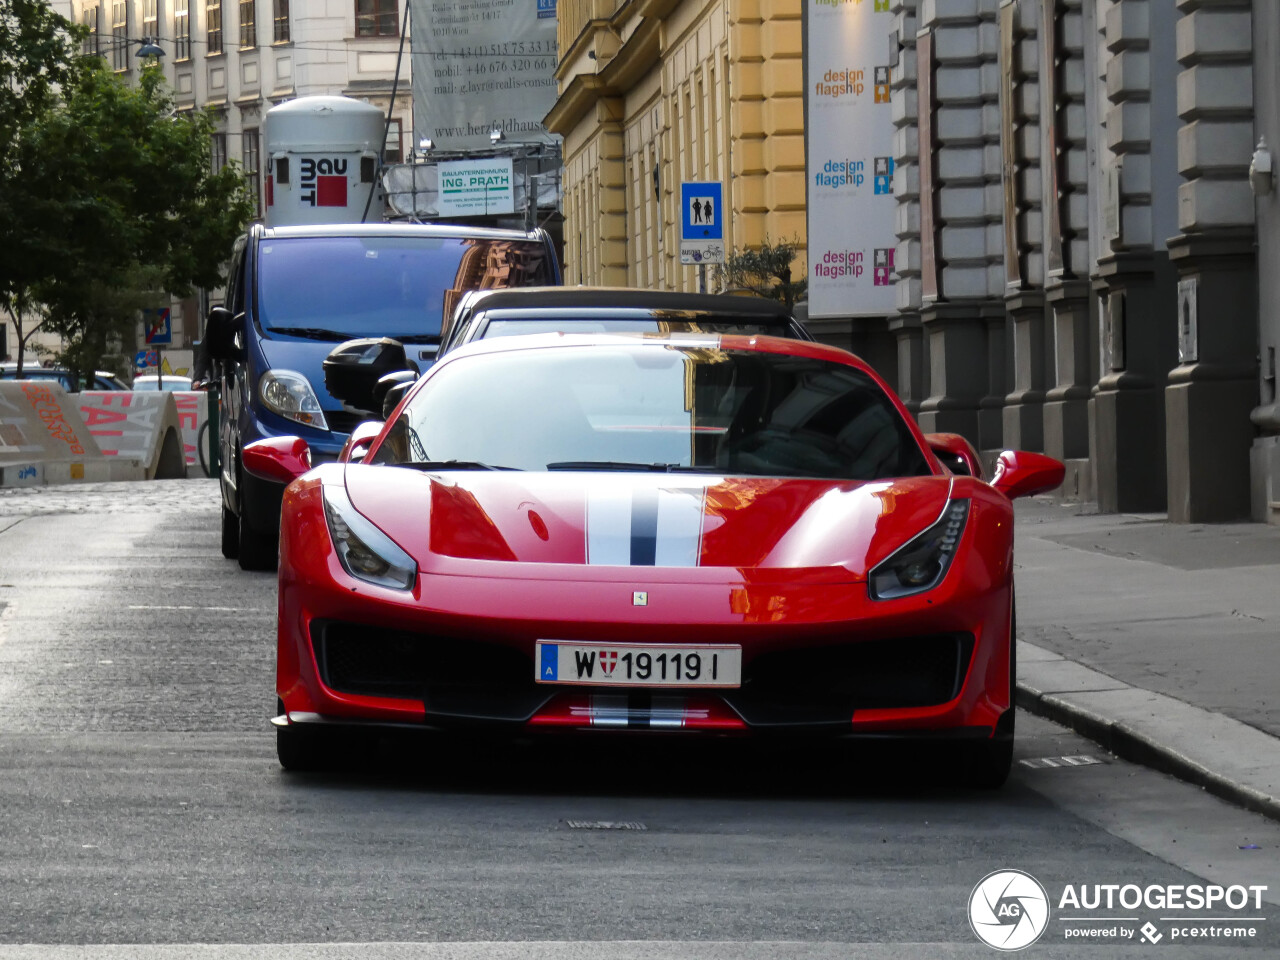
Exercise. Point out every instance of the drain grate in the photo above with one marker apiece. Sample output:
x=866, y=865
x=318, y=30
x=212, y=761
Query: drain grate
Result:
x=606, y=825
x=1046, y=763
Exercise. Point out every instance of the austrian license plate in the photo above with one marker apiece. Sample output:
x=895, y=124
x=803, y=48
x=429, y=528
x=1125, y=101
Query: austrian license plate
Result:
x=636, y=665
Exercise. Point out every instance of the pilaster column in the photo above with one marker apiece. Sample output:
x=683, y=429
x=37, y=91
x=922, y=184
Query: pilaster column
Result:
x=1065, y=126
x=957, y=116
x=1214, y=387
x=906, y=327
x=1133, y=276
x=1020, y=111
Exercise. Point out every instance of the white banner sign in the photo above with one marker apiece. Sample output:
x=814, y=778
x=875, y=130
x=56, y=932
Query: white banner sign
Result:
x=850, y=159
x=472, y=188
x=481, y=65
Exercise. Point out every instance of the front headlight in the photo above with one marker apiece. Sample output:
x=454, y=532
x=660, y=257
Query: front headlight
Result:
x=365, y=551
x=922, y=563
x=290, y=395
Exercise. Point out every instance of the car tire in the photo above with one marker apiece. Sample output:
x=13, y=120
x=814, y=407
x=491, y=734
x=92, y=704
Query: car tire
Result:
x=986, y=764
x=255, y=551
x=230, y=534
x=300, y=750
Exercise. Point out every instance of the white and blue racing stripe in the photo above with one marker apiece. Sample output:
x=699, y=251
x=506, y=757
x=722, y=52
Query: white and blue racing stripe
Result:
x=638, y=526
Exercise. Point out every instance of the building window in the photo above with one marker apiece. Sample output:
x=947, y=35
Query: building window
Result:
x=281, y=34
x=218, y=151
x=182, y=29
x=92, y=43
x=250, y=158
x=213, y=24
x=377, y=18
x=120, y=35
x=151, y=19
x=393, y=150
x=248, y=23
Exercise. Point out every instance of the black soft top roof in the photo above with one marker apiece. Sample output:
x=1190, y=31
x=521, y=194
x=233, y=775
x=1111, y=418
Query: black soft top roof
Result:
x=630, y=298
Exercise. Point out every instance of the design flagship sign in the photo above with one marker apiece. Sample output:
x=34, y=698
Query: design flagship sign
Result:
x=850, y=159
x=481, y=65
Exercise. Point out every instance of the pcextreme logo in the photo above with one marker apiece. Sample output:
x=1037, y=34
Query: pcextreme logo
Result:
x=1009, y=910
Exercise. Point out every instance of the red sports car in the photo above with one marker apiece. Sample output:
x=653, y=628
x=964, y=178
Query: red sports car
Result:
x=679, y=534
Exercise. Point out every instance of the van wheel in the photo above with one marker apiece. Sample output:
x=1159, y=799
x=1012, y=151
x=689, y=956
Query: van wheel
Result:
x=230, y=534
x=256, y=551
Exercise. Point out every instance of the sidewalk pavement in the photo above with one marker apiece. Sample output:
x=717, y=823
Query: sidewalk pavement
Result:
x=1161, y=641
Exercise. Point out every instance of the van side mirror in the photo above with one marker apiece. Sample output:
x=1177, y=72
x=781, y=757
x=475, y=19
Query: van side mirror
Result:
x=352, y=370
x=220, y=334
x=386, y=385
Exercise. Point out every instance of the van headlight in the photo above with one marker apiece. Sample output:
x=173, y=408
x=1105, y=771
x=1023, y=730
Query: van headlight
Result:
x=289, y=394
x=922, y=563
x=365, y=551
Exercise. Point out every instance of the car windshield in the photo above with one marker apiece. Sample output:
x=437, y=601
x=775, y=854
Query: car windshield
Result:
x=344, y=287
x=666, y=407
x=747, y=327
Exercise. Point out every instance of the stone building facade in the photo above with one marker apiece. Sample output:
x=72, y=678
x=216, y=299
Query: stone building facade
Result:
x=239, y=58
x=1088, y=232
x=658, y=92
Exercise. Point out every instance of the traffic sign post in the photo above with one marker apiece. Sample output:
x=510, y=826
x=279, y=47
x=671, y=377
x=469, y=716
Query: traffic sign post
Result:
x=702, y=225
x=159, y=326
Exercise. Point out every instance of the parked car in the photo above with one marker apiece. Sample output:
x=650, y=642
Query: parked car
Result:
x=171, y=382
x=678, y=533
x=293, y=293
x=504, y=313
x=102, y=380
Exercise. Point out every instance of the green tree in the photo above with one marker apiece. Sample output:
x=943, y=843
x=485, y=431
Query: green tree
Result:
x=765, y=271
x=121, y=205
x=37, y=57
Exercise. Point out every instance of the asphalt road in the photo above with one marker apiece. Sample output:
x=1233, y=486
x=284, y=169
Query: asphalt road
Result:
x=144, y=814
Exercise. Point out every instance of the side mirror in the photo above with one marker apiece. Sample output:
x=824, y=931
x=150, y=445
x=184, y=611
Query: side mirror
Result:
x=393, y=398
x=386, y=383
x=357, y=445
x=220, y=334
x=282, y=459
x=353, y=369
x=1021, y=474
x=956, y=453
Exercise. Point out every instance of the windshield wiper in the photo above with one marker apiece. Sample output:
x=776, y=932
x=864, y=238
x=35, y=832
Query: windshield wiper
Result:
x=313, y=333
x=616, y=465
x=430, y=465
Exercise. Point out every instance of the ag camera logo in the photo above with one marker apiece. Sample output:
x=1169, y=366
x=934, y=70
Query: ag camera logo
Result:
x=1008, y=910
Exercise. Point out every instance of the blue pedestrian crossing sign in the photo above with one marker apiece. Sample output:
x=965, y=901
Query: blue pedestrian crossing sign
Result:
x=702, y=221
x=159, y=326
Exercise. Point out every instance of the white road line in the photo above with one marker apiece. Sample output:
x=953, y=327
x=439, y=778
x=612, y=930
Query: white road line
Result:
x=506, y=950
x=148, y=606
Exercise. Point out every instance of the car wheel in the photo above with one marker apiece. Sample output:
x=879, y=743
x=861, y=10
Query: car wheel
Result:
x=300, y=749
x=256, y=551
x=986, y=764
x=230, y=534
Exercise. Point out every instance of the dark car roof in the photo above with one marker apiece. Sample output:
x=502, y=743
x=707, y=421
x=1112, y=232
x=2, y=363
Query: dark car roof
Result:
x=396, y=229
x=629, y=298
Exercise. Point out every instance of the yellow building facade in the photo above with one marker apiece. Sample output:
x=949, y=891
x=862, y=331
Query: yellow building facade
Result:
x=656, y=92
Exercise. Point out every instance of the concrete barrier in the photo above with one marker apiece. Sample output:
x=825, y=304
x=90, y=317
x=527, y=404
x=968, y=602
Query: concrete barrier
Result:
x=43, y=439
x=142, y=426
x=193, y=414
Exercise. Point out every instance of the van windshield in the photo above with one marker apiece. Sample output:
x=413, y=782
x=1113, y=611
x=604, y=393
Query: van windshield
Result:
x=344, y=287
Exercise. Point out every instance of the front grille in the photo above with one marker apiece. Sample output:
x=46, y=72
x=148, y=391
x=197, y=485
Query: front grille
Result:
x=453, y=676
x=827, y=684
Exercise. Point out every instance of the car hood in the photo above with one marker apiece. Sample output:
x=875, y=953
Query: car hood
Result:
x=670, y=523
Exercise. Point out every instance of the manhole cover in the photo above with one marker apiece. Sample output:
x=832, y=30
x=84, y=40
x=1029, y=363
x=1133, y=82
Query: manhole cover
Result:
x=1045, y=763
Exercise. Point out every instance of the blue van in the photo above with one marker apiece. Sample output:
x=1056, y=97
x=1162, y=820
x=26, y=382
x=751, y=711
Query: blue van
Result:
x=295, y=293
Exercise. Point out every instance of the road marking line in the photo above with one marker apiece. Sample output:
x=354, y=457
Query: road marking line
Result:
x=148, y=606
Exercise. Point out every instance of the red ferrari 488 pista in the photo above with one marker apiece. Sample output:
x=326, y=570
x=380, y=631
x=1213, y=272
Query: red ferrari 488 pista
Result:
x=679, y=534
